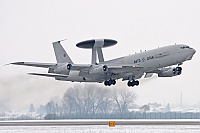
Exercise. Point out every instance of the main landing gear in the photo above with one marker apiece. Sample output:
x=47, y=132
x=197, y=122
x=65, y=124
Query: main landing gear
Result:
x=133, y=83
x=109, y=82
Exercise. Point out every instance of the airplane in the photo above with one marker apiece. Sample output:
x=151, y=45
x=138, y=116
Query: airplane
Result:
x=128, y=68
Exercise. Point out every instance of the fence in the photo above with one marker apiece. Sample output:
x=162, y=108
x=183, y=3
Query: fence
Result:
x=130, y=115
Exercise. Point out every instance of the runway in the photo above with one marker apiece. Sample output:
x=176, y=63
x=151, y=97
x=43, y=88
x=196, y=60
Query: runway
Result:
x=99, y=122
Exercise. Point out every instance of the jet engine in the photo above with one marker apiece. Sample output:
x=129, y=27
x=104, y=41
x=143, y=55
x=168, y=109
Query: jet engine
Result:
x=99, y=69
x=170, y=72
x=64, y=69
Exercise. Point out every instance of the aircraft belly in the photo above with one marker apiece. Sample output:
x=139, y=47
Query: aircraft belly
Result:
x=75, y=76
x=96, y=77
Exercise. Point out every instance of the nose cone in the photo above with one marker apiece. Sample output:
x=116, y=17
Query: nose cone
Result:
x=191, y=53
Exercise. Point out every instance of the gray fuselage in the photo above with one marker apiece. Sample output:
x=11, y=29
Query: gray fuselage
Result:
x=149, y=60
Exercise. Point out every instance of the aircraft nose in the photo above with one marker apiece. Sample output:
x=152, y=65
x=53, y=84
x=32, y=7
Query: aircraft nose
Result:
x=193, y=51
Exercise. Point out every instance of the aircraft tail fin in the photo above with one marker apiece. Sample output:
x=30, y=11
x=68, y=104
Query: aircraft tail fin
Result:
x=61, y=54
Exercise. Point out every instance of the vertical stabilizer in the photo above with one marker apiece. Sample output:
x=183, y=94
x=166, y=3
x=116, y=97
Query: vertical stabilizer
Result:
x=60, y=53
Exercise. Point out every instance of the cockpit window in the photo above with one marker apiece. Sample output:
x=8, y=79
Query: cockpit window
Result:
x=183, y=47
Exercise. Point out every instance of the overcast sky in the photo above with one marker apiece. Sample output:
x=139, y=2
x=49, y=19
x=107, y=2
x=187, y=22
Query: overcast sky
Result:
x=28, y=28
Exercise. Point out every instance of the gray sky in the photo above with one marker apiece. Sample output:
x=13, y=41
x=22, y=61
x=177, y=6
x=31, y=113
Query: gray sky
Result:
x=28, y=28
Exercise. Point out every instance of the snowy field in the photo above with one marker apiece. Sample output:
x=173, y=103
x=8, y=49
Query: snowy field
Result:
x=102, y=129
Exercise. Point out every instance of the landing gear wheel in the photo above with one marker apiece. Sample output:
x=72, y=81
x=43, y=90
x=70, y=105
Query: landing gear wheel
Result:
x=137, y=82
x=113, y=82
x=106, y=83
x=133, y=83
x=129, y=83
x=109, y=82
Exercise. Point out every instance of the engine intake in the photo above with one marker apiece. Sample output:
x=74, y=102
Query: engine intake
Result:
x=64, y=69
x=105, y=68
x=69, y=66
x=170, y=72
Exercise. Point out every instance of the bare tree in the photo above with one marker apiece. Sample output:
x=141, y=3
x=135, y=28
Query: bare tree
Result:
x=123, y=100
x=49, y=107
x=86, y=100
x=32, y=109
x=90, y=100
x=106, y=105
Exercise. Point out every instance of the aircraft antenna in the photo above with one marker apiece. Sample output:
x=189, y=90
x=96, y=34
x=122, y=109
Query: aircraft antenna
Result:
x=61, y=40
x=96, y=45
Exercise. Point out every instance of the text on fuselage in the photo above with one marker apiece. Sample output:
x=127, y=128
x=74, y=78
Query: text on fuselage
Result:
x=143, y=59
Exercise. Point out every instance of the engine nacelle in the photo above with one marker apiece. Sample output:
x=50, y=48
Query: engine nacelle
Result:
x=99, y=69
x=64, y=69
x=170, y=72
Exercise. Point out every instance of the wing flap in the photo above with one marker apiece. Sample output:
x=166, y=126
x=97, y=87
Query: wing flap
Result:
x=35, y=64
x=49, y=75
x=124, y=69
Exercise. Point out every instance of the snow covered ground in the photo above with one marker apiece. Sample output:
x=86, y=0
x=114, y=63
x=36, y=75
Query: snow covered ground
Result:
x=102, y=129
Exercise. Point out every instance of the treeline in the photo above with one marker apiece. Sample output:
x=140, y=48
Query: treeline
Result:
x=90, y=101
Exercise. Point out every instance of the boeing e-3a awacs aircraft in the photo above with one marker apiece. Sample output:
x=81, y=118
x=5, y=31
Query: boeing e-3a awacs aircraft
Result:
x=128, y=68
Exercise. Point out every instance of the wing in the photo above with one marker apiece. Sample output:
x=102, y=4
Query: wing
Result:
x=150, y=73
x=80, y=66
x=124, y=69
x=35, y=64
x=156, y=71
x=50, y=75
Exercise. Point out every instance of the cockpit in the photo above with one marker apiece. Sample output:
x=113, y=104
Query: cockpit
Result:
x=187, y=51
x=185, y=47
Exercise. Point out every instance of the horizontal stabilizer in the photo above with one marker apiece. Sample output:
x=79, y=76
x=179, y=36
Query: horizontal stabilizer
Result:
x=50, y=75
x=34, y=64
